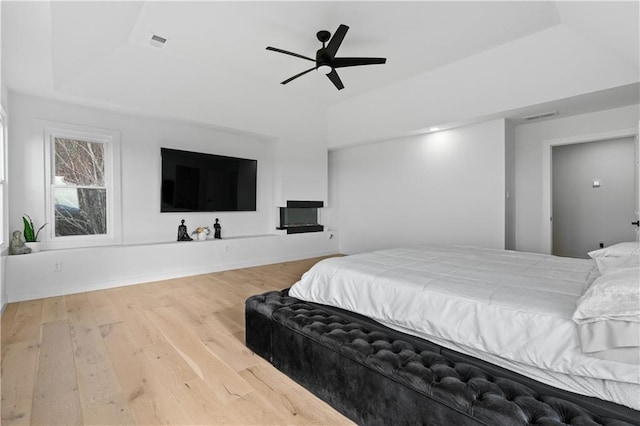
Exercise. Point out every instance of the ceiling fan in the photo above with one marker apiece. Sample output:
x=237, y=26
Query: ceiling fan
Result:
x=326, y=61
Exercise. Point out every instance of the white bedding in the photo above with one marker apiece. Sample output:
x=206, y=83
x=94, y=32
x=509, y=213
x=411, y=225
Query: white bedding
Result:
x=510, y=308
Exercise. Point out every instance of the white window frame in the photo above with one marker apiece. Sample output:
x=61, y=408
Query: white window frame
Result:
x=111, y=141
x=3, y=176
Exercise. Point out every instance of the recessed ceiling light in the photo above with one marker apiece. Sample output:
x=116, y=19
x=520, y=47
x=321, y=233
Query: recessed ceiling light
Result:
x=157, y=41
x=434, y=129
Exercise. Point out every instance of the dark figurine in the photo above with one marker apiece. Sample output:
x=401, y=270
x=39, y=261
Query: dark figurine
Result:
x=183, y=235
x=217, y=230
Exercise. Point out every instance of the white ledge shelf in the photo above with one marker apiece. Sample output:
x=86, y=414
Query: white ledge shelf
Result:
x=35, y=275
x=152, y=243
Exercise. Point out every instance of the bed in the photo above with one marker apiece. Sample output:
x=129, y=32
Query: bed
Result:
x=515, y=311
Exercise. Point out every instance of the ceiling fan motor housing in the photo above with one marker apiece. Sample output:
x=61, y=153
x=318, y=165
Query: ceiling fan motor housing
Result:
x=323, y=58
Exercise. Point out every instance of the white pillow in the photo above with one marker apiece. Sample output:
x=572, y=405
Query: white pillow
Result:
x=617, y=250
x=614, y=295
x=608, y=314
x=607, y=265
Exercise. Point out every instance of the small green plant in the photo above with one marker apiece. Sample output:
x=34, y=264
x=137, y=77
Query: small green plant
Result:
x=29, y=235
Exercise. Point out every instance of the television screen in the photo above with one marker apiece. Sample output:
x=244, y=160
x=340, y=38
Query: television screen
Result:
x=196, y=182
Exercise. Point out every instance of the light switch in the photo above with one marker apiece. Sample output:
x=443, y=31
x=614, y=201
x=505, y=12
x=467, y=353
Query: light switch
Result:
x=597, y=183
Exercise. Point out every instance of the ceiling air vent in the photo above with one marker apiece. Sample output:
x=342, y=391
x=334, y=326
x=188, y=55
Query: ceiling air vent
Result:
x=539, y=116
x=157, y=41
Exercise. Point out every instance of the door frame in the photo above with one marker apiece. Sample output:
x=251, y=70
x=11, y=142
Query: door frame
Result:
x=547, y=145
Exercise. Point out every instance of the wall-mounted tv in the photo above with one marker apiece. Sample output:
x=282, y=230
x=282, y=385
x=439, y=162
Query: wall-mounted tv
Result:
x=197, y=182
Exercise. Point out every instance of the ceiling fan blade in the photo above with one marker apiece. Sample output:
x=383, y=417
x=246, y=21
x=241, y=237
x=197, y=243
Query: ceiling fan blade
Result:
x=275, y=49
x=336, y=40
x=298, y=75
x=352, y=62
x=333, y=76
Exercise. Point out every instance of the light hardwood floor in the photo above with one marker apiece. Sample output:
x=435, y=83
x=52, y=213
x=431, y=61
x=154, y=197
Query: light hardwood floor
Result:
x=168, y=352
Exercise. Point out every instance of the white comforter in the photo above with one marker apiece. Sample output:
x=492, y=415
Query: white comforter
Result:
x=511, y=308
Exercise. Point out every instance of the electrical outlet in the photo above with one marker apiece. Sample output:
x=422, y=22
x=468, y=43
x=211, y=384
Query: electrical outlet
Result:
x=225, y=248
x=57, y=266
x=330, y=236
x=601, y=244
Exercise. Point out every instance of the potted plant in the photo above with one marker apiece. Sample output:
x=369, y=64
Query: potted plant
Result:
x=31, y=237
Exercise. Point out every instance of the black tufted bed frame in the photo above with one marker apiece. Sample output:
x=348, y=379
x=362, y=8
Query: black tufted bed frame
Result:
x=378, y=376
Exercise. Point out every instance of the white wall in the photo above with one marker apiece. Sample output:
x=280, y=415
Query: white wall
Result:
x=288, y=168
x=510, y=186
x=141, y=139
x=529, y=163
x=439, y=188
x=4, y=212
x=3, y=88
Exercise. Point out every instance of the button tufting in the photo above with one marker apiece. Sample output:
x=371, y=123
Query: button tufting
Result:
x=428, y=371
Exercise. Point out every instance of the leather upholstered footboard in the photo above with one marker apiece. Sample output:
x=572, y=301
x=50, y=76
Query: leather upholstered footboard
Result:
x=378, y=376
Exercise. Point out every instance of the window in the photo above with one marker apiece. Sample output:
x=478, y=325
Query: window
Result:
x=83, y=187
x=3, y=134
x=79, y=188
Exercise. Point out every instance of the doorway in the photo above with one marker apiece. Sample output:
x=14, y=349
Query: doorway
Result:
x=593, y=195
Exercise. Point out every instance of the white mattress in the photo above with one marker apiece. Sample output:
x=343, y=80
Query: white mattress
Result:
x=510, y=308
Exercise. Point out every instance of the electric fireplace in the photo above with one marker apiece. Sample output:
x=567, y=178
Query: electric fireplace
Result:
x=300, y=216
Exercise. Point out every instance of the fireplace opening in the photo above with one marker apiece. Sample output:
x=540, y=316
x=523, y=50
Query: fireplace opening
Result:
x=300, y=216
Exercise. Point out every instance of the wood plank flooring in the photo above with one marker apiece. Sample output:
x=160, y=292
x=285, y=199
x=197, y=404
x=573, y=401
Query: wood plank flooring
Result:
x=168, y=352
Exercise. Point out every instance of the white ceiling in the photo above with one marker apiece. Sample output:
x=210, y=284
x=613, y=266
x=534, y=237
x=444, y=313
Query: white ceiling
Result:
x=99, y=52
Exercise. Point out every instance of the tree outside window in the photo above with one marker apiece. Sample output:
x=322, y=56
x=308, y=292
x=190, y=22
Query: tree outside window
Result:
x=80, y=193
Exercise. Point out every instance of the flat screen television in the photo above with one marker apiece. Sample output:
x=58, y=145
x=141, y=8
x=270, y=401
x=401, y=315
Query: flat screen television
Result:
x=197, y=182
